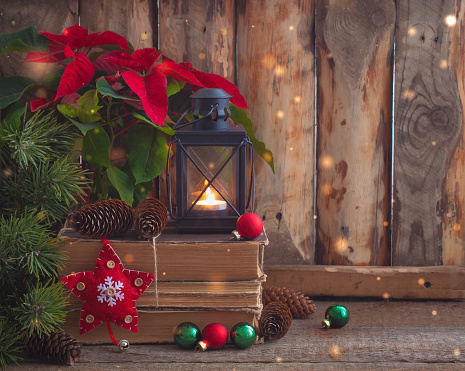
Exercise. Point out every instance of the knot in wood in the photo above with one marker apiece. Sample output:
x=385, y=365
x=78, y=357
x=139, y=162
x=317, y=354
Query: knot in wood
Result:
x=439, y=117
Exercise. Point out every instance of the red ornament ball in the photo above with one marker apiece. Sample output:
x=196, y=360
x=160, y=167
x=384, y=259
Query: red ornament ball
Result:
x=214, y=336
x=249, y=226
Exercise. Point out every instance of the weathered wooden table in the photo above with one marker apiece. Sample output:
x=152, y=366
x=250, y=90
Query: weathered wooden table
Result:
x=381, y=335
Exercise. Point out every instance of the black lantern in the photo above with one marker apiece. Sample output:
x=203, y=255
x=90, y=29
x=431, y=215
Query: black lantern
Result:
x=213, y=185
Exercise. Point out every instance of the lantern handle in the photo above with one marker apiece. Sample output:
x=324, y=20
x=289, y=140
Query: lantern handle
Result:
x=177, y=126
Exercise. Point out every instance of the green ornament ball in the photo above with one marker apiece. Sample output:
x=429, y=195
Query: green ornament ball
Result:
x=336, y=316
x=243, y=335
x=187, y=335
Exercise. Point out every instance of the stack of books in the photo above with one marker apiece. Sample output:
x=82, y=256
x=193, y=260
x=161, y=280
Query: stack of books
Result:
x=200, y=278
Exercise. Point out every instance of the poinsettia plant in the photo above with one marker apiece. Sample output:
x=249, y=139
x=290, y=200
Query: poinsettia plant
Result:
x=123, y=101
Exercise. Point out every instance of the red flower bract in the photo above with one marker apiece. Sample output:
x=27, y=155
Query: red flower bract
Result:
x=76, y=75
x=152, y=92
x=211, y=80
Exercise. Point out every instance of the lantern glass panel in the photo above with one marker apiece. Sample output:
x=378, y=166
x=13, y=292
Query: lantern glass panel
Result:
x=213, y=161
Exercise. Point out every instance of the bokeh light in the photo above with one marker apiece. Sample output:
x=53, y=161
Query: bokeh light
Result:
x=450, y=20
x=327, y=189
x=412, y=31
x=268, y=61
x=409, y=94
x=326, y=161
x=128, y=258
x=279, y=70
x=334, y=351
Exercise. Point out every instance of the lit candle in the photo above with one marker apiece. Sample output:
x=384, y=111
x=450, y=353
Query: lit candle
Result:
x=210, y=203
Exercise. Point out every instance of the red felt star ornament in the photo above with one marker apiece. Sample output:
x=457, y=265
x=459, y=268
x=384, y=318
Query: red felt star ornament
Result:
x=109, y=293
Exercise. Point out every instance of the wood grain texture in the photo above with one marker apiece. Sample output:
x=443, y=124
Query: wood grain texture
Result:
x=377, y=282
x=16, y=15
x=133, y=19
x=354, y=43
x=275, y=43
x=429, y=137
x=379, y=333
x=201, y=32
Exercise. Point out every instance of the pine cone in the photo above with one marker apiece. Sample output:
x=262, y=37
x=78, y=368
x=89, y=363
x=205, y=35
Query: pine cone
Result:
x=300, y=305
x=150, y=218
x=58, y=347
x=107, y=218
x=275, y=321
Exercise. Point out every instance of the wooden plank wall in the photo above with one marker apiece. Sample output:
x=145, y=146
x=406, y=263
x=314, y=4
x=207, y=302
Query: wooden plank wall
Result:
x=354, y=43
x=429, y=145
x=329, y=201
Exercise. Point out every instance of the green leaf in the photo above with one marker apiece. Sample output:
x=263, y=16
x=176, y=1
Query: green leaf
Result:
x=106, y=90
x=25, y=40
x=141, y=191
x=239, y=116
x=12, y=89
x=147, y=152
x=173, y=86
x=165, y=129
x=122, y=182
x=83, y=127
x=84, y=117
x=96, y=147
x=13, y=118
x=52, y=80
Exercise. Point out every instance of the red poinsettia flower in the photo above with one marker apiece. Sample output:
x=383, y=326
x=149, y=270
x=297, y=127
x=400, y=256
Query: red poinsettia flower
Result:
x=76, y=37
x=140, y=60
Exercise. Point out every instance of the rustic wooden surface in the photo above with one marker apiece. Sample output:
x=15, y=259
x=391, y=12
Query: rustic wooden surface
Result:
x=276, y=74
x=200, y=32
x=16, y=15
x=135, y=20
x=377, y=282
x=354, y=43
x=428, y=147
x=385, y=335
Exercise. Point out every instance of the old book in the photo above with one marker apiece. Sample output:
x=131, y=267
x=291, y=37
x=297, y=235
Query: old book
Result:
x=157, y=326
x=192, y=271
x=213, y=295
x=173, y=257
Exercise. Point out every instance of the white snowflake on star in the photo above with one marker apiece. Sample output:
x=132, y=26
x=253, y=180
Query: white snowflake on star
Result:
x=109, y=284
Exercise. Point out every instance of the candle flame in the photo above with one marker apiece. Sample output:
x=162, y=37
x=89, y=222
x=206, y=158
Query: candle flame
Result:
x=210, y=199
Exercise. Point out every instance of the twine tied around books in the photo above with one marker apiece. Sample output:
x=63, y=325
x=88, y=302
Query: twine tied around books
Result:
x=155, y=260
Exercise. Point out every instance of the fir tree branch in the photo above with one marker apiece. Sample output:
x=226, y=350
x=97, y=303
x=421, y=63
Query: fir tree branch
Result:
x=42, y=309
x=27, y=248
x=10, y=346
